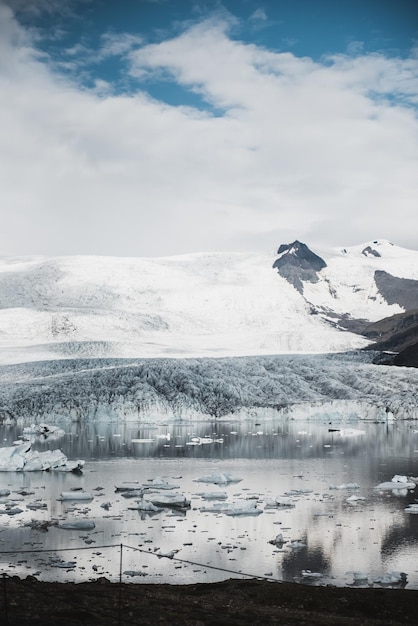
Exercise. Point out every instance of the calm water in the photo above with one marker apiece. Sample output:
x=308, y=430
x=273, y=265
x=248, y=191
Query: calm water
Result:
x=374, y=535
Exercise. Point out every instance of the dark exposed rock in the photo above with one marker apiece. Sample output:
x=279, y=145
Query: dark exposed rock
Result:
x=395, y=333
x=407, y=357
x=298, y=264
x=402, y=291
x=369, y=251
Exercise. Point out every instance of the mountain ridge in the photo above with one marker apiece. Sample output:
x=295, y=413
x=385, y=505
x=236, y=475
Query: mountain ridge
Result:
x=202, y=304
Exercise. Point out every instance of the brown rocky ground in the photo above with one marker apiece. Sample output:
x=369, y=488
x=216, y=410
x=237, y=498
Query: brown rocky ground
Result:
x=29, y=602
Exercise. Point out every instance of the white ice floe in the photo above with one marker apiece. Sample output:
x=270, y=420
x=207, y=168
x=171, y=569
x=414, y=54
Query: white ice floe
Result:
x=218, y=479
x=42, y=431
x=76, y=495
x=23, y=458
x=243, y=507
x=351, y=486
x=306, y=573
x=412, y=508
x=213, y=495
x=9, y=510
x=392, y=578
x=159, y=483
x=240, y=507
x=133, y=493
x=167, y=555
x=397, y=482
x=132, y=486
x=355, y=499
x=77, y=524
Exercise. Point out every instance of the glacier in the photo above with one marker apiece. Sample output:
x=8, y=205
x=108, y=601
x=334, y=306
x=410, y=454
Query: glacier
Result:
x=201, y=335
x=195, y=305
x=342, y=386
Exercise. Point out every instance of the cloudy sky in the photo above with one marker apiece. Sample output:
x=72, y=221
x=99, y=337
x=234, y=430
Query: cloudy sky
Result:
x=159, y=127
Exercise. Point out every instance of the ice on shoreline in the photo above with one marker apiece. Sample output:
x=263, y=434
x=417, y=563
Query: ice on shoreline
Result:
x=23, y=459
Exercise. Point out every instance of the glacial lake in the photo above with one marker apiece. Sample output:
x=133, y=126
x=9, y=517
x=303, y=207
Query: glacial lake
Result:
x=308, y=467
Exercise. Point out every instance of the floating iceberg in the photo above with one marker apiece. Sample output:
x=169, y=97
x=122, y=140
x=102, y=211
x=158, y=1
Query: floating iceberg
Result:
x=392, y=578
x=23, y=459
x=397, y=482
x=412, y=508
x=218, y=479
x=174, y=500
x=10, y=511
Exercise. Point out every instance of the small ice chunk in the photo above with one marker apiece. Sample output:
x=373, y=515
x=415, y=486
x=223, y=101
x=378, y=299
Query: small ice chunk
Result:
x=213, y=495
x=174, y=500
x=353, y=499
x=240, y=507
x=159, y=483
x=392, y=578
x=77, y=524
x=76, y=495
x=396, y=484
x=306, y=573
x=278, y=540
x=412, y=508
x=350, y=486
x=145, y=506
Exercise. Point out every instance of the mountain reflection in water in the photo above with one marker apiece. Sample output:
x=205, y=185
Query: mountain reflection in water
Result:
x=298, y=460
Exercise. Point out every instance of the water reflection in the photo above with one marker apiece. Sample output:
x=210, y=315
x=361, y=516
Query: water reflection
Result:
x=304, y=459
x=225, y=440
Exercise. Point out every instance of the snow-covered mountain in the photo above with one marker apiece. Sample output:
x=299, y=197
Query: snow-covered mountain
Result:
x=297, y=300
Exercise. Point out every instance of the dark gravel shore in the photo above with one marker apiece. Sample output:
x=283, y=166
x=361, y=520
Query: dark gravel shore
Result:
x=232, y=602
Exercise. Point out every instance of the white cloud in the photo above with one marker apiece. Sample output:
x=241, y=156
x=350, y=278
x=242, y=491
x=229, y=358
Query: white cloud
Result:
x=303, y=150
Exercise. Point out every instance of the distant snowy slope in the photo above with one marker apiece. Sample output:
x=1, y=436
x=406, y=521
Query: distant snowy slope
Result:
x=193, y=305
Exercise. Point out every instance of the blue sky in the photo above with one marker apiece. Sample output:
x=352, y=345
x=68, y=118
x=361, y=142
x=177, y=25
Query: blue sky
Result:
x=160, y=127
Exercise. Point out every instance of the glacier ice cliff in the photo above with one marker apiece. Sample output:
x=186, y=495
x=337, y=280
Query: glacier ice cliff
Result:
x=289, y=386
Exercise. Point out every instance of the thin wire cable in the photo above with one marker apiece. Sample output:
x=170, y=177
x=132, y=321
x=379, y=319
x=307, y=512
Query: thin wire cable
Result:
x=188, y=562
x=160, y=556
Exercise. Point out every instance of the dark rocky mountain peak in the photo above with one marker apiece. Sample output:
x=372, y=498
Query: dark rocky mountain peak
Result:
x=298, y=264
x=369, y=251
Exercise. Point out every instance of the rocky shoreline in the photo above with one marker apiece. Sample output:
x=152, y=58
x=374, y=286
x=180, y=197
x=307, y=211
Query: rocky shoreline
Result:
x=28, y=602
